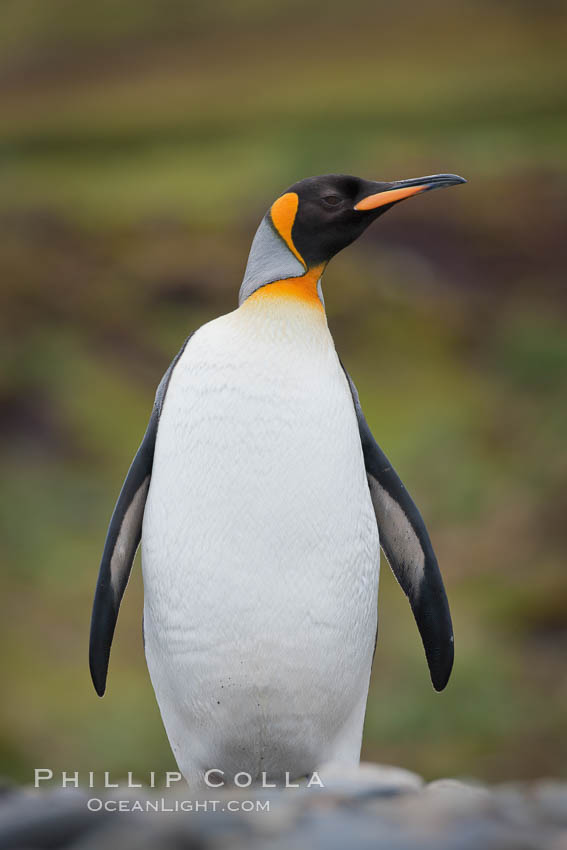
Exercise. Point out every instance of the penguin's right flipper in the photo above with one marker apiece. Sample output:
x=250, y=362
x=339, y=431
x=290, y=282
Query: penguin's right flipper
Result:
x=122, y=540
x=406, y=544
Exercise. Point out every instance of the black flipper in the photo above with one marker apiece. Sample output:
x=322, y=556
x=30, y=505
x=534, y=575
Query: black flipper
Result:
x=406, y=544
x=122, y=539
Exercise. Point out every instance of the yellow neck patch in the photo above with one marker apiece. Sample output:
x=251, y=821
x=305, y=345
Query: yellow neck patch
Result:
x=302, y=288
x=283, y=212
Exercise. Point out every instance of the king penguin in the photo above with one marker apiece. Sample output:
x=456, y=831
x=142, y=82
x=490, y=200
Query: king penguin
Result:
x=261, y=499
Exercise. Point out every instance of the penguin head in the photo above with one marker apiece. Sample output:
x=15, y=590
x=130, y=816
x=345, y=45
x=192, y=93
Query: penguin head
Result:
x=335, y=209
x=319, y=216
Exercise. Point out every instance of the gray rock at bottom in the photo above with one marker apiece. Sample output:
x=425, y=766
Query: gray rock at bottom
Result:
x=368, y=807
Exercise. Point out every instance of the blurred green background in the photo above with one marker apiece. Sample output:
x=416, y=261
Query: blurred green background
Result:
x=141, y=141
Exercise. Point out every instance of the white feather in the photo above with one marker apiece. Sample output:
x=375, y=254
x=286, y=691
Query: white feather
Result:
x=260, y=549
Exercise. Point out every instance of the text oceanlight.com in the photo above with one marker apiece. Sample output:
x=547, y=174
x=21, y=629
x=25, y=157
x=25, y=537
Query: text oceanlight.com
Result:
x=95, y=804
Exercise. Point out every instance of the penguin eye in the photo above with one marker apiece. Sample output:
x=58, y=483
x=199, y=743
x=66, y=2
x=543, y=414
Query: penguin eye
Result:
x=331, y=200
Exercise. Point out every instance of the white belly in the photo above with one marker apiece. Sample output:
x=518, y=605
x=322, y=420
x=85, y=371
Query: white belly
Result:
x=260, y=551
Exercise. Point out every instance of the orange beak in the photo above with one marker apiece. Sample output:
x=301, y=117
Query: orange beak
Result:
x=398, y=191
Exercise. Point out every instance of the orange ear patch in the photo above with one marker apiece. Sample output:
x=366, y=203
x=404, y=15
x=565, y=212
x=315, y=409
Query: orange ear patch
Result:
x=372, y=202
x=283, y=212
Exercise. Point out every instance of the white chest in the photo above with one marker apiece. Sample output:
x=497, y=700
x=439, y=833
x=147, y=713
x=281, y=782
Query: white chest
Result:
x=258, y=452
x=259, y=537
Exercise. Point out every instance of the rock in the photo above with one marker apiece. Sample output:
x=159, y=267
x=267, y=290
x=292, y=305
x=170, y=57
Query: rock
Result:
x=551, y=798
x=369, y=779
x=371, y=806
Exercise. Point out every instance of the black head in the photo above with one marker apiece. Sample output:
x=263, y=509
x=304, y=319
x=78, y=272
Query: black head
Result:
x=319, y=216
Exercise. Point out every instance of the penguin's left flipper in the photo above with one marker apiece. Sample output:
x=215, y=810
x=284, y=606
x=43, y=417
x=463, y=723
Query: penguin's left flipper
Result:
x=406, y=544
x=122, y=540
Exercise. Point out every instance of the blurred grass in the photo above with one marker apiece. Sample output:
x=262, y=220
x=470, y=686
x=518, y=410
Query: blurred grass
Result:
x=139, y=144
